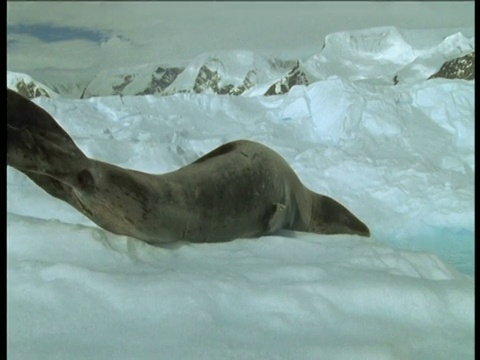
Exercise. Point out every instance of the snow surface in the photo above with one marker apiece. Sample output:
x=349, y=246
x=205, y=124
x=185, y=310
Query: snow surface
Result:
x=400, y=157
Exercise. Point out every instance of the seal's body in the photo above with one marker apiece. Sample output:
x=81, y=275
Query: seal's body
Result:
x=241, y=189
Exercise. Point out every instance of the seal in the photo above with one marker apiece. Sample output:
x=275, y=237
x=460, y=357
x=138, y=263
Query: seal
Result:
x=241, y=189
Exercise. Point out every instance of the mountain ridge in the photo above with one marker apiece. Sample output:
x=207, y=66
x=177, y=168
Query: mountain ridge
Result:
x=383, y=56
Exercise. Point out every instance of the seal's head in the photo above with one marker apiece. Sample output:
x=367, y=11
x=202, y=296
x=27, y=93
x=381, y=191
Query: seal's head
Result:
x=331, y=217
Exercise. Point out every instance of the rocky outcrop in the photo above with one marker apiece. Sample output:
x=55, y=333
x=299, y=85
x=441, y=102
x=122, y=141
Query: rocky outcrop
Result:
x=296, y=76
x=208, y=81
x=160, y=80
x=27, y=86
x=462, y=67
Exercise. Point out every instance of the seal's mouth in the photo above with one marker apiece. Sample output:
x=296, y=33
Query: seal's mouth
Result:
x=359, y=228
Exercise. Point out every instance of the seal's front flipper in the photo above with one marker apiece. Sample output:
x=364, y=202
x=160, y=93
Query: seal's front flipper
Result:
x=276, y=220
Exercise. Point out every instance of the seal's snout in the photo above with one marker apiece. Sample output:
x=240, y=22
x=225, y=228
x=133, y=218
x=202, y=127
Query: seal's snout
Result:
x=331, y=217
x=363, y=230
x=367, y=233
x=347, y=223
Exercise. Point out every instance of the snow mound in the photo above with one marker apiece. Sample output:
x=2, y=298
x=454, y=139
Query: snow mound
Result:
x=301, y=296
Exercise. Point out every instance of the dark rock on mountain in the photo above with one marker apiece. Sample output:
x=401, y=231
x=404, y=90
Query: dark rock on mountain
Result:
x=31, y=90
x=296, y=76
x=161, y=79
x=27, y=86
x=138, y=80
x=208, y=80
x=117, y=89
x=462, y=67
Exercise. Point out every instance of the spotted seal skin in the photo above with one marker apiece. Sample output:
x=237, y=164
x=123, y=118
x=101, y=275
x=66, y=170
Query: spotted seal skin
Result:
x=241, y=189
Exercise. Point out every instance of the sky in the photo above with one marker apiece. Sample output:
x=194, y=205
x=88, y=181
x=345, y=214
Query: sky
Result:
x=99, y=35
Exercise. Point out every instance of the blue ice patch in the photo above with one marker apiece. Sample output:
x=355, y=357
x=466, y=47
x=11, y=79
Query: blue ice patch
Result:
x=454, y=246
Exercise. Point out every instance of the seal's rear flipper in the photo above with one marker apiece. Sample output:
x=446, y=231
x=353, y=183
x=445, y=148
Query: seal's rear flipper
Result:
x=37, y=143
x=277, y=218
x=25, y=114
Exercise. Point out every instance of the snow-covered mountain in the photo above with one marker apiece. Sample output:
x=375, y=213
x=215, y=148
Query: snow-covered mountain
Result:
x=27, y=86
x=381, y=55
x=384, y=55
x=140, y=80
x=236, y=73
x=69, y=83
